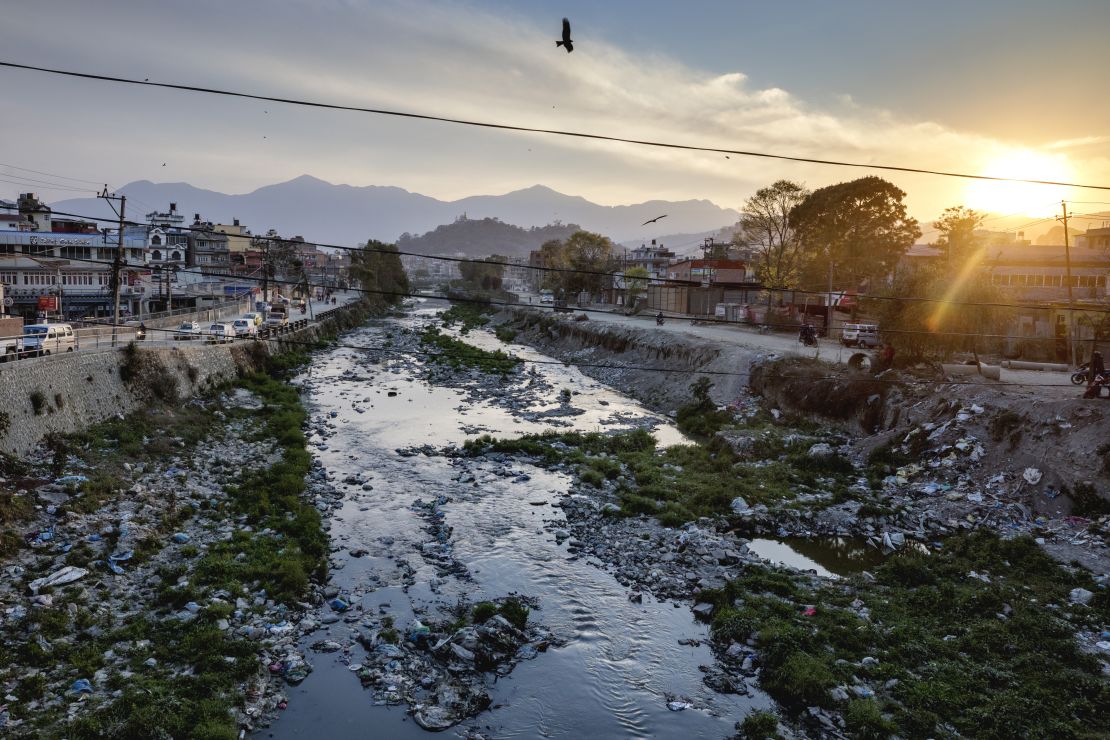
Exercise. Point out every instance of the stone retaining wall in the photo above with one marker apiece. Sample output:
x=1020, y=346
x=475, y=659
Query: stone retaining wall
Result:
x=70, y=392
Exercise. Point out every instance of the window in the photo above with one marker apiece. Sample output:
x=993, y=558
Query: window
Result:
x=156, y=255
x=8, y=278
x=155, y=241
x=176, y=256
x=7, y=249
x=76, y=253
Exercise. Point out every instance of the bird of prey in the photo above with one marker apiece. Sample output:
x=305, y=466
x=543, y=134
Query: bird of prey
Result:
x=653, y=220
x=566, y=41
x=163, y=164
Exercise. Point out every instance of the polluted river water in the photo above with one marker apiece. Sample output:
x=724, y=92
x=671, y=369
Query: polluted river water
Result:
x=613, y=665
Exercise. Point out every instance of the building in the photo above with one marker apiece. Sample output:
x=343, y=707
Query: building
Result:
x=209, y=249
x=63, y=266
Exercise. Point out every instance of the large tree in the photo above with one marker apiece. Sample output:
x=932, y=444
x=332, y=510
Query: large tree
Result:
x=581, y=258
x=861, y=227
x=483, y=274
x=766, y=226
x=958, y=238
x=377, y=270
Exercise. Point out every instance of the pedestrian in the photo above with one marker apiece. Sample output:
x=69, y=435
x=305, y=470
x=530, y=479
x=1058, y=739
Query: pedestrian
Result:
x=1096, y=376
x=886, y=357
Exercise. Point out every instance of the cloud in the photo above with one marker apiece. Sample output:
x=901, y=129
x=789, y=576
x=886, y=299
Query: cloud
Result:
x=459, y=61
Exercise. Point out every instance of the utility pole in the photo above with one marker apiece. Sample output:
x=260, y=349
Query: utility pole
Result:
x=829, y=302
x=1071, y=301
x=117, y=263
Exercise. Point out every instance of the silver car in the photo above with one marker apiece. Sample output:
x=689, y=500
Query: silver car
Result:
x=187, y=330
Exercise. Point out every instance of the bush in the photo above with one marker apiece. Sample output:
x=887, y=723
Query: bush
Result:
x=38, y=402
x=760, y=725
x=1086, y=502
x=866, y=722
x=482, y=611
x=800, y=680
x=515, y=612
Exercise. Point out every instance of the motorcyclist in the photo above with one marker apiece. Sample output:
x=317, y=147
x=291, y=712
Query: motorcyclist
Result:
x=807, y=335
x=659, y=318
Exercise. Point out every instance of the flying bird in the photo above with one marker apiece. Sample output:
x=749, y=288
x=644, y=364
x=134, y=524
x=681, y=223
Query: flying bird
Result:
x=653, y=220
x=163, y=164
x=566, y=41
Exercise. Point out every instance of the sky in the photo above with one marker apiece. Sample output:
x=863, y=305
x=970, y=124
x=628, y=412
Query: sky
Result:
x=1001, y=87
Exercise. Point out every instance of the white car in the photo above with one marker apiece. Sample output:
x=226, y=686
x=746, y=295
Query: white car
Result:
x=256, y=317
x=244, y=327
x=220, y=333
x=187, y=330
x=860, y=335
x=547, y=297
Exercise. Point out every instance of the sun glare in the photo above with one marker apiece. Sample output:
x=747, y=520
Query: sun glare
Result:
x=1022, y=198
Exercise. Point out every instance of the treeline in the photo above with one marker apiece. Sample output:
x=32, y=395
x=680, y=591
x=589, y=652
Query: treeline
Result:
x=480, y=237
x=376, y=269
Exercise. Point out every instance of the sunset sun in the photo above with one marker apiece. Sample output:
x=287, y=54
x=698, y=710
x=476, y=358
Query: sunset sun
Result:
x=1026, y=199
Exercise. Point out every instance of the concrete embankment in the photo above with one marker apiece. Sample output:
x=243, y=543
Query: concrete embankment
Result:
x=656, y=368
x=66, y=394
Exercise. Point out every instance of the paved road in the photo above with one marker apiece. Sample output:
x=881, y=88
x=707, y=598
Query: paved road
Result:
x=100, y=339
x=1042, y=383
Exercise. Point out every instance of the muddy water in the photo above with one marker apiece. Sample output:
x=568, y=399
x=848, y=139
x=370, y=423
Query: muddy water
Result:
x=618, y=663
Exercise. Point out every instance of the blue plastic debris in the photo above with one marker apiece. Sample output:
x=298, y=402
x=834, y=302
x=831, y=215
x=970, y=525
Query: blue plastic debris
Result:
x=339, y=605
x=120, y=556
x=180, y=538
x=67, y=480
x=114, y=568
x=192, y=607
x=81, y=686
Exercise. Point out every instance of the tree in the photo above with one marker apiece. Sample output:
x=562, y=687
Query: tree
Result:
x=377, y=269
x=635, y=283
x=765, y=222
x=482, y=275
x=861, y=227
x=936, y=328
x=581, y=257
x=957, y=227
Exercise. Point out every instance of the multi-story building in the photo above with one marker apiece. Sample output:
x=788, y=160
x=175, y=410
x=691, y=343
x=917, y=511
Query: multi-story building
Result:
x=209, y=249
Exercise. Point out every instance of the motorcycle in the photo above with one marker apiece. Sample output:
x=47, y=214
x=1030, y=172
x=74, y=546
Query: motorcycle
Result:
x=659, y=320
x=807, y=336
x=1079, y=377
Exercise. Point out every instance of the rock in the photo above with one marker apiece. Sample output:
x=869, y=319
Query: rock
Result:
x=739, y=506
x=1080, y=596
x=821, y=450
x=703, y=609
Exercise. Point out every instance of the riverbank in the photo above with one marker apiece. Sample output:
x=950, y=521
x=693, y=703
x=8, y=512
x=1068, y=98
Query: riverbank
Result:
x=158, y=565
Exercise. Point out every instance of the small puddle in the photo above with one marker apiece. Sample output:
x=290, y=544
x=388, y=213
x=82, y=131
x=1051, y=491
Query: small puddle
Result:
x=831, y=557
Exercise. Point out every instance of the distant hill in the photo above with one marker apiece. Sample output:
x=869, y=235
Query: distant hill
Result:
x=483, y=237
x=343, y=214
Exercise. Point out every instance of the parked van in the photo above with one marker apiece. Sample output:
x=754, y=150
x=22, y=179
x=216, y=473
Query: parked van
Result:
x=48, y=339
x=860, y=335
x=220, y=333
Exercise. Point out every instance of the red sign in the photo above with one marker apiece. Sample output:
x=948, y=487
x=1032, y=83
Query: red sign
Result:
x=48, y=303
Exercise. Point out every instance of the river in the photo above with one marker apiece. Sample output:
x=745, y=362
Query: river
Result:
x=613, y=665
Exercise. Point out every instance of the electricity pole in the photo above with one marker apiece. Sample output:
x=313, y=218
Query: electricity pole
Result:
x=1067, y=271
x=117, y=263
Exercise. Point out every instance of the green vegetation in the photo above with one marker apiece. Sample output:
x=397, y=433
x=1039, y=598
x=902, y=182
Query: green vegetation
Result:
x=470, y=314
x=760, y=726
x=1086, y=502
x=968, y=656
x=700, y=417
x=271, y=498
x=144, y=372
x=505, y=333
x=38, y=402
x=377, y=267
x=680, y=483
x=458, y=354
x=476, y=237
x=512, y=609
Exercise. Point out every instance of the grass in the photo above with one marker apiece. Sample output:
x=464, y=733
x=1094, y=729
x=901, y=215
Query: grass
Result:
x=505, y=333
x=469, y=315
x=458, y=354
x=959, y=666
x=674, y=484
x=512, y=609
x=700, y=418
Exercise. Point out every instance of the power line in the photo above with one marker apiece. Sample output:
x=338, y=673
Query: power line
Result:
x=534, y=130
x=51, y=174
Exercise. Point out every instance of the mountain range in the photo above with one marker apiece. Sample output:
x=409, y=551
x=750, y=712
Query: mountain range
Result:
x=347, y=215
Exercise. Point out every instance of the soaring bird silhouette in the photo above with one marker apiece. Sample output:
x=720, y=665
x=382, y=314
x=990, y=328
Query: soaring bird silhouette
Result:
x=566, y=41
x=653, y=220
